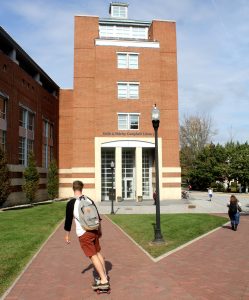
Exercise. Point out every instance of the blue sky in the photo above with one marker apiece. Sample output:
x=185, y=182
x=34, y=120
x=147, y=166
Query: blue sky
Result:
x=212, y=43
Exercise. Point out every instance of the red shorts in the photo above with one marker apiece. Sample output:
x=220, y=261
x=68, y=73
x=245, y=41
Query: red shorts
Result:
x=89, y=243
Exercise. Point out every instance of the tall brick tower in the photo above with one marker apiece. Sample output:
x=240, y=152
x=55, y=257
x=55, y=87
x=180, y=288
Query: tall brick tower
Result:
x=121, y=68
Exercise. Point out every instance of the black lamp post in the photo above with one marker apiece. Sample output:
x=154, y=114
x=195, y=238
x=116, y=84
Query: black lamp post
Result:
x=155, y=116
x=112, y=193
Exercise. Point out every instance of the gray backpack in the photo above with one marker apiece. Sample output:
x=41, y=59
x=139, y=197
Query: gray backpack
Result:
x=88, y=214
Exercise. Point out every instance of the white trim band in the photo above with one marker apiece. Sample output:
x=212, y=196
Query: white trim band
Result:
x=125, y=43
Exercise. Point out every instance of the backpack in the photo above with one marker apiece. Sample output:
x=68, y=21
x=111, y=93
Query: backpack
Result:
x=233, y=208
x=90, y=219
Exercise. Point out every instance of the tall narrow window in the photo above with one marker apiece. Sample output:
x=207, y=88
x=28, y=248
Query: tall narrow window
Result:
x=3, y=139
x=47, y=147
x=3, y=119
x=2, y=108
x=128, y=121
x=26, y=134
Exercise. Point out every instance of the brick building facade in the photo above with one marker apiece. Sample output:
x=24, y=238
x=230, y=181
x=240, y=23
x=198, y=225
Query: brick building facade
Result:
x=121, y=68
x=28, y=115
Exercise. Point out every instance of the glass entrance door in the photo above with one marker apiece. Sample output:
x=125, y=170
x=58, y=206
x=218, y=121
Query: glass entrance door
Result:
x=128, y=174
x=127, y=189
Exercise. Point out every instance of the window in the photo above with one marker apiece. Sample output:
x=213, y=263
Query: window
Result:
x=119, y=12
x=2, y=108
x=128, y=90
x=125, y=32
x=128, y=121
x=47, y=147
x=2, y=139
x=26, y=135
x=127, y=60
x=21, y=151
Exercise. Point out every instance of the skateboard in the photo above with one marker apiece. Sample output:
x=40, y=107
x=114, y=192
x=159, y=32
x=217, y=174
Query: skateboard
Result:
x=101, y=291
x=105, y=291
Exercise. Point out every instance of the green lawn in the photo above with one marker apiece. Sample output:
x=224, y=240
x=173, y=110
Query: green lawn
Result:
x=177, y=229
x=22, y=233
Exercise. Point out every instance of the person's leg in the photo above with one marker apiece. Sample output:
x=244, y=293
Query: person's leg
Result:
x=101, y=258
x=99, y=268
x=90, y=245
x=236, y=221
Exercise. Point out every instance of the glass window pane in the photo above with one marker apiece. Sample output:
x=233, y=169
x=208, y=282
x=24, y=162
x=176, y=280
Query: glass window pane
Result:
x=133, y=61
x=134, y=121
x=30, y=121
x=2, y=108
x=122, y=122
x=21, y=150
x=30, y=146
x=22, y=117
x=2, y=139
x=133, y=91
x=122, y=90
x=122, y=61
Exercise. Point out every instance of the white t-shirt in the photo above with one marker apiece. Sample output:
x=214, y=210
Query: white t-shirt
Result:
x=79, y=230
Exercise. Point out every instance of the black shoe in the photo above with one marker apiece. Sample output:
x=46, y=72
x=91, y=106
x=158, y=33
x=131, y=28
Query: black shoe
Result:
x=235, y=227
x=232, y=227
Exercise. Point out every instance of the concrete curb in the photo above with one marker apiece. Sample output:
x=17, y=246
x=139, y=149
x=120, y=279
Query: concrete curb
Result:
x=155, y=260
x=30, y=262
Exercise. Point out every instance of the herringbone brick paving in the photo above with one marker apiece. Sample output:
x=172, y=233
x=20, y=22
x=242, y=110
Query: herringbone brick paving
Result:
x=215, y=267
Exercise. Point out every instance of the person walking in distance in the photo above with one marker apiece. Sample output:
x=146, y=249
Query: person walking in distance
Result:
x=88, y=239
x=210, y=193
x=234, y=209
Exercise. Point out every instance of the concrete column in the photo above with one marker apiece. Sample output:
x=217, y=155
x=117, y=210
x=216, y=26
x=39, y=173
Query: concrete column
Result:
x=139, y=173
x=97, y=170
x=118, y=172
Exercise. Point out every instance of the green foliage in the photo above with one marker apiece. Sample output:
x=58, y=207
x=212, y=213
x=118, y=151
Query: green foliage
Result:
x=216, y=163
x=22, y=233
x=4, y=178
x=31, y=177
x=53, y=180
x=177, y=229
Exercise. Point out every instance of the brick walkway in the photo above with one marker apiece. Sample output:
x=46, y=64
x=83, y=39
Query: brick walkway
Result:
x=215, y=267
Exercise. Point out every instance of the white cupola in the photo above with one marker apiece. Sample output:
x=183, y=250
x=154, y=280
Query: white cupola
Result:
x=118, y=10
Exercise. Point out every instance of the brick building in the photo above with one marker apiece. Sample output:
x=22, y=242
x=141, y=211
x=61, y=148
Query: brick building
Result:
x=28, y=115
x=121, y=68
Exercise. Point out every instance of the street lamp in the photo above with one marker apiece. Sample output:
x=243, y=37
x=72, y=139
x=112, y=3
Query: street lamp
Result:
x=112, y=193
x=155, y=116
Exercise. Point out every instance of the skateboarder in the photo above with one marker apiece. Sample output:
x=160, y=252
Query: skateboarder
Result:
x=89, y=240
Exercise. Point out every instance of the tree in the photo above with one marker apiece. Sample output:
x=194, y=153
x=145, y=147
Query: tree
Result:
x=239, y=164
x=31, y=177
x=195, y=133
x=53, y=180
x=4, y=178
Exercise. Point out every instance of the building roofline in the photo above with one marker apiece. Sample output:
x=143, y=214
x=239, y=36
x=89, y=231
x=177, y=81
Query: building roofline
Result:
x=158, y=20
x=23, y=53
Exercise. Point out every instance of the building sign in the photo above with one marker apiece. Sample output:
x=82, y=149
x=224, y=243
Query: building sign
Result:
x=127, y=133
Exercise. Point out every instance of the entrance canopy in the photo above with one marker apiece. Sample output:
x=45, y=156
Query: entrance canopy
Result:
x=128, y=144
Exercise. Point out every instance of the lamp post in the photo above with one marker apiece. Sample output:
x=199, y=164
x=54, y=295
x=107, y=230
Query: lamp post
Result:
x=112, y=193
x=155, y=116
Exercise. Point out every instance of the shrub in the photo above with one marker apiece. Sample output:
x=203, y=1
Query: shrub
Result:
x=4, y=178
x=53, y=180
x=31, y=177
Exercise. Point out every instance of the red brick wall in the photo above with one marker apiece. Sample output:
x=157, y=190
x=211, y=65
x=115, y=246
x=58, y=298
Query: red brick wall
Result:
x=22, y=88
x=94, y=101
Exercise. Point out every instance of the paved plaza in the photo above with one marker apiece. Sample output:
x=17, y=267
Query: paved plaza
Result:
x=214, y=267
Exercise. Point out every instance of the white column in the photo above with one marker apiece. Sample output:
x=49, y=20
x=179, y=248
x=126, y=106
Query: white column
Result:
x=118, y=172
x=139, y=173
x=97, y=170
